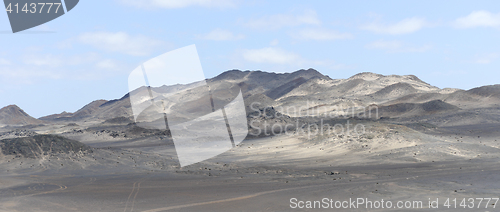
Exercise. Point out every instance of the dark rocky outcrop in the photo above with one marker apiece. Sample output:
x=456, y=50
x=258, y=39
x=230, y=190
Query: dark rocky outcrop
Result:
x=39, y=145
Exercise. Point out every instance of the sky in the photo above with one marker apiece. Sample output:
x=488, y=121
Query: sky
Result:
x=88, y=53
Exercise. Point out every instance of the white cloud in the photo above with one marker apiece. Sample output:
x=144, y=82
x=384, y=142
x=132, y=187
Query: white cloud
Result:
x=274, y=42
x=80, y=59
x=27, y=75
x=320, y=34
x=478, y=19
x=388, y=45
x=172, y=4
x=270, y=55
x=448, y=73
x=483, y=61
x=423, y=48
x=220, y=35
x=4, y=61
x=486, y=59
x=309, y=17
x=65, y=44
x=107, y=64
x=405, y=26
x=60, y=60
x=397, y=46
x=340, y=66
x=282, y=58
x=120, y=42
x=34, y=67
x=44, y=60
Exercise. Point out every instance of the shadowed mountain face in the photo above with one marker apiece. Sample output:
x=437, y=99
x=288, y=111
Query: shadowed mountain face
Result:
x=415, y=109
x=284, y=89
x=486, y=91
x=13, y=115
x=288, y=90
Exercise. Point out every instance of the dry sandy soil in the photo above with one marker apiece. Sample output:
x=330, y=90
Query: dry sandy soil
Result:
x=391, y=162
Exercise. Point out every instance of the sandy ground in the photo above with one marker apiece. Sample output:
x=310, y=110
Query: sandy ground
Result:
x=390, y=162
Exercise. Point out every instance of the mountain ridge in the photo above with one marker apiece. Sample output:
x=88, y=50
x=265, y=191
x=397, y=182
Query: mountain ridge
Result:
x=285, y=89
x=14, y=115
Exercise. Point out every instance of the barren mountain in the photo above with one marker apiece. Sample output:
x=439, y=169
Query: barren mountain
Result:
x=13, y=115
x=308, y=90
x=53, y=117
x=415, y=109
x=96, y=110
x=395, y=90
x=486, y=91
x=284, y=89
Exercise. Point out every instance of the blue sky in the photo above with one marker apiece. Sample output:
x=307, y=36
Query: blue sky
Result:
x=88, y=53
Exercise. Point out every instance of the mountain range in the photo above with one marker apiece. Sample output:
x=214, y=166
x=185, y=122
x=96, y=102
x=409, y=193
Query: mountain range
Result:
x=396, y=96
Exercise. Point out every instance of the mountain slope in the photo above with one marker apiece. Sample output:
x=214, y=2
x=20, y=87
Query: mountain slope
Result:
x=414, y=109
x=13, y=115
x=224, y=88
x=284, y=89
x=305, y=89
x=395, y=90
